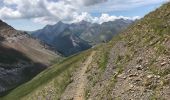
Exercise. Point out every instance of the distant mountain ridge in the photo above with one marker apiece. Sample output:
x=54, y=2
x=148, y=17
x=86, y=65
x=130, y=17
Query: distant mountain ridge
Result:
x=79, y=36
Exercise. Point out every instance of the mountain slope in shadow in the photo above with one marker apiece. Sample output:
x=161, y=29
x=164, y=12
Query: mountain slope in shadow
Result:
x=21, y=57
x=16, y=68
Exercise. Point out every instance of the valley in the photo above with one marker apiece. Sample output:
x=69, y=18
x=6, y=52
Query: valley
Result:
x=115, y=60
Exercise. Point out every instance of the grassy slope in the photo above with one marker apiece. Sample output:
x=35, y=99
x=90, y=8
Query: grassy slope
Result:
x=152, y=36
x=148, y=39
x=56, y=71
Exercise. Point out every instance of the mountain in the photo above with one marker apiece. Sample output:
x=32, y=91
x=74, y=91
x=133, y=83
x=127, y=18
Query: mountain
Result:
x=69, y=39
x=133, y=65
x=97, y=33
x=21, y=57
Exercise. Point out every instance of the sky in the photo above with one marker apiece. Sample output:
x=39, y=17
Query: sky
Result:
x=30, y=15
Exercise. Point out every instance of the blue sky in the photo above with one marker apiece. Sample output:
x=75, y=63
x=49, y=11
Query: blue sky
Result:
x=31, y=15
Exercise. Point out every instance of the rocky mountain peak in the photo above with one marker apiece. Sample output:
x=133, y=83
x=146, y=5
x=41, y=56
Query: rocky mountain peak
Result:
x=83, y=22
x=60, y=22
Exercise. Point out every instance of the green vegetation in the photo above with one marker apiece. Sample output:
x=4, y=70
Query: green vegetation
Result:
x=103, y=59
x=61, y=71
x=157, y=71
x=161, y=49
x=102, y=55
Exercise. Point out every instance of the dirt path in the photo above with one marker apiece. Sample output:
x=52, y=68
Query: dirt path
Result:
x=79, y=95
x=75, y=91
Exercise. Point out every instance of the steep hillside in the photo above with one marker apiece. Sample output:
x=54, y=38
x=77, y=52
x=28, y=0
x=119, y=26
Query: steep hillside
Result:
x=80, y=36
x=21, y=57
x=134, y=65
x=138, y=65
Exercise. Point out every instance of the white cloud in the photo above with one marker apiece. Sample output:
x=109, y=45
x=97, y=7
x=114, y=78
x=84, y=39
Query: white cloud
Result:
x=93, y=2
x=103, y=18
x=60, y=10
x=9, y=13
x=10, y=2
x=83, y=16
x=51, y=11
x=28, y=8
x=45, y=20
x=89, y=2
x=119, y=5
x=84, y=2
x=75, y=18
